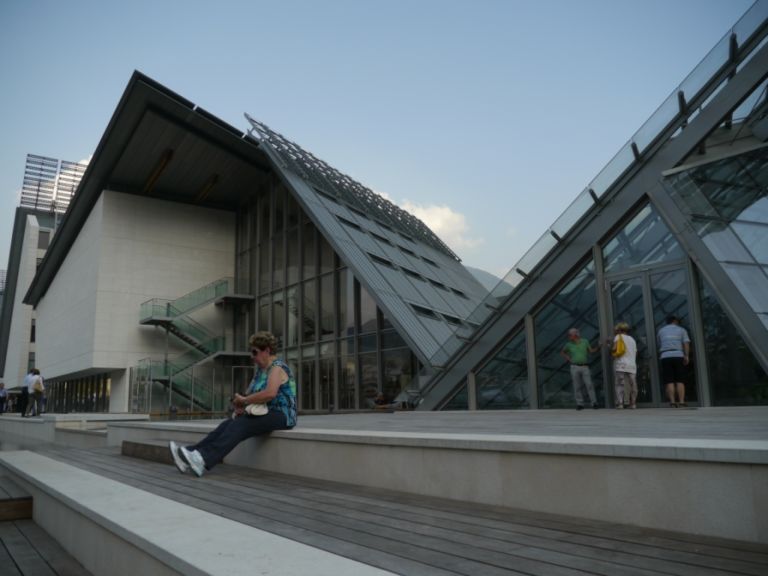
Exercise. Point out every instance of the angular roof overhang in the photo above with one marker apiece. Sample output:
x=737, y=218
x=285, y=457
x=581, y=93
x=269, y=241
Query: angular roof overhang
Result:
x=159, y=145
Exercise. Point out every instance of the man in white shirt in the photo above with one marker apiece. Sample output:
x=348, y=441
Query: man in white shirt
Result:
x=24, y=398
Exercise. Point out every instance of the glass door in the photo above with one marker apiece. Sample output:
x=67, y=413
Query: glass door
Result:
x=644, y=300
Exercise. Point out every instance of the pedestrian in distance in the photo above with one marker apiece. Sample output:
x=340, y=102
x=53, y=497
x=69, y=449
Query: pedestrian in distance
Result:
x=576, y=352
x=674, y=353
x=624, y=353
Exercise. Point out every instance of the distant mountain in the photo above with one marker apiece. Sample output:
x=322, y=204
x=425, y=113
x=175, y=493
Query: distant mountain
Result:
x=488, y=280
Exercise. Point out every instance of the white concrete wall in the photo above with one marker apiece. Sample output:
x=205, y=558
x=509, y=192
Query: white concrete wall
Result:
x=19, y=345
x=131, y=249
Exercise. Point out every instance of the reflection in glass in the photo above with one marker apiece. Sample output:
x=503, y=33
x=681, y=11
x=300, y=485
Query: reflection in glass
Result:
x=397, y=372
x=326, y=256
x=327, y=299
x=346, y=303
x=292, y=310
x=278, y=262
x=669, y=296
x=575, y=306
x=502, y=384
x=309, y=324
x=644, y=240
x=310, y=260
x=735, y=376
x=369, y=375
x=326, y=382
x=307, y=385
x=627, y=300
x=459, y=401
x=347, y=383
x=292, y=257
x=278, y=314
x=367, y=316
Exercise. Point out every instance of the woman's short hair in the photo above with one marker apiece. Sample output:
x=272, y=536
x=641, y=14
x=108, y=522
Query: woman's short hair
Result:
x=264, y=341
x=622, y=327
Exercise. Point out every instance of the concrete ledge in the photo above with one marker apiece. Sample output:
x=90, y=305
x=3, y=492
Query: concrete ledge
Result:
x=116, y=530
x=706, y=487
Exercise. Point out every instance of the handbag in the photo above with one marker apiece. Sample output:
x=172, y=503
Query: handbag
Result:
x=256, y=409
x=37, y=385
x=621, y=348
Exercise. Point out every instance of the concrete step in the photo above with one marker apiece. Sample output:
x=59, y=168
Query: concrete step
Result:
x=15, y=502
x=153, y=450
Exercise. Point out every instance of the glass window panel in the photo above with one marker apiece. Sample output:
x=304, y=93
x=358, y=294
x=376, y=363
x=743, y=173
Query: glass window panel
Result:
x=309, y=299
x=292, y=311
x=278, y=263
x=369, y=377
x=391, y=339
x=347, y=383
x=264, y=312
x=326, y=256
x=735, y=376
x=308, y=385
x=265, y=276
x=327, y=377
x=721, y=241
x=368, y=342
x=502, y=384
x=627, y=300
x=293, y=211
x=279, y=221
x=669, y=296
x=752, y=282
x=327, y=299
x=292, y=258
x=308, y=245
x=385, y=322
x=367, y=314
x=43, y=239
x=264, y=219
x=644, y=240
x=755, y=238
x=575, y=306
x=459, y=401
x=398, y=369
x=346, y=303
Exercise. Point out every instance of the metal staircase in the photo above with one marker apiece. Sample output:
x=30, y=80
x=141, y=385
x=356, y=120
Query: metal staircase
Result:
x=172, y=315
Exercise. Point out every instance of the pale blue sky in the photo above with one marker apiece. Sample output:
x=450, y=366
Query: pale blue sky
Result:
x=489, y=116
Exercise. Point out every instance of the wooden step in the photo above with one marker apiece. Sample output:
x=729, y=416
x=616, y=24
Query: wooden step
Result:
x=15, y=502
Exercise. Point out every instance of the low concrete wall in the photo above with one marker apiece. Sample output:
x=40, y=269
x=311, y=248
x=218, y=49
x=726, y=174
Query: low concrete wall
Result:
x=714, y=488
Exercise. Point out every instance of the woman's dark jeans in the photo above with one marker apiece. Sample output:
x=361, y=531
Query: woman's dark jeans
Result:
x=214, y=447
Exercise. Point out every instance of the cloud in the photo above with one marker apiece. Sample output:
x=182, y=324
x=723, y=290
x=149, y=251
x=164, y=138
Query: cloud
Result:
x=450, y=226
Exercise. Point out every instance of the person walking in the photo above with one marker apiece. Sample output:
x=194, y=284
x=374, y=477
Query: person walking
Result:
x=3, y=398
x=35, y=392
x=269, y=404
x=674, y=352
x=24, y=397
x=624, y=352
x=576, y=351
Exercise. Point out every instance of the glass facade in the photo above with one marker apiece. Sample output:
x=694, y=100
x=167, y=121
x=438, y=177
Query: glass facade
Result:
x=502, y=384
x=342, y=346
x=735, y=376
x=575, y=306
x=87, y=394
x=727, y=204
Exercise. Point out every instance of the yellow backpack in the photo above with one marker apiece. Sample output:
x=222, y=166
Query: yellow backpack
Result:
x=621, y=348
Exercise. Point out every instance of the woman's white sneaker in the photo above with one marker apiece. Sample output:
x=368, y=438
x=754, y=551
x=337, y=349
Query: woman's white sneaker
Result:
x=194, y=459
x=180, y=464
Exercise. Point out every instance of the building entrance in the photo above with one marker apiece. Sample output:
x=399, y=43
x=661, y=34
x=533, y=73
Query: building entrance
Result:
x=644, y=300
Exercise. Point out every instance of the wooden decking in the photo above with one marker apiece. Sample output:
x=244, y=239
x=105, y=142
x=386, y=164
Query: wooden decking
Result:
x=426, y=536
x=25, y=548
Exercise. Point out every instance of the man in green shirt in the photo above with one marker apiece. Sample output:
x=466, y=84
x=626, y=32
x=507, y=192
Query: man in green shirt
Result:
x=576, y=351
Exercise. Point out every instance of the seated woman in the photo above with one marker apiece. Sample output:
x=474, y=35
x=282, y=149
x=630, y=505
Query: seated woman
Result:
x=272, y=385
